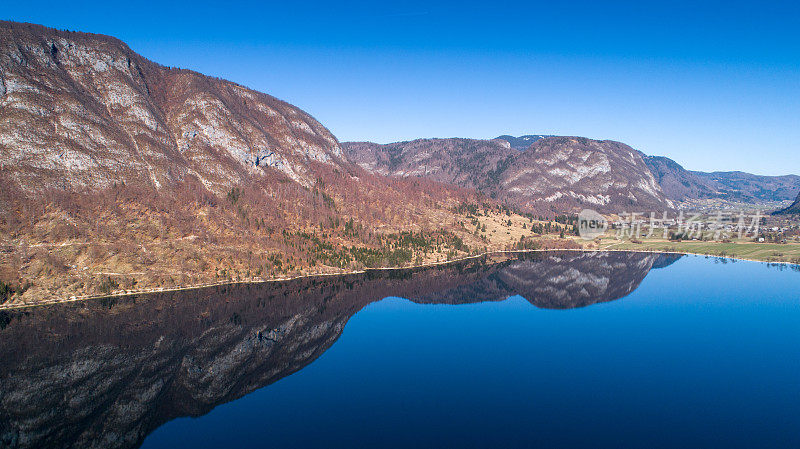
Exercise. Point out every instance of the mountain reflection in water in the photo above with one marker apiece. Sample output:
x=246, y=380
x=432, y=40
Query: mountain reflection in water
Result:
x=106, y=373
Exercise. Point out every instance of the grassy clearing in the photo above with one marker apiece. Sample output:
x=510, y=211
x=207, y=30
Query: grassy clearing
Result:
x=765, y=252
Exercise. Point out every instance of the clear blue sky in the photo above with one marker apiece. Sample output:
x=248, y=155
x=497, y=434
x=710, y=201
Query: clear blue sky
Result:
x=715, y=86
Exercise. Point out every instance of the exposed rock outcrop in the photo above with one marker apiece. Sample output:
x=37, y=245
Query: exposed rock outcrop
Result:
x=82, y=111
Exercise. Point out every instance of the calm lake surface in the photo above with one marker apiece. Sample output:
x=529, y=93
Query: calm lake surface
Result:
x=542, y=350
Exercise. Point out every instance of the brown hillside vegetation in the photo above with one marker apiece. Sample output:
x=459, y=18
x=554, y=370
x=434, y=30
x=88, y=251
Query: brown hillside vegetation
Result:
x=121, y=174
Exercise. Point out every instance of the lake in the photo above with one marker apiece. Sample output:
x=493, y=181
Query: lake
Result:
x=551, y=349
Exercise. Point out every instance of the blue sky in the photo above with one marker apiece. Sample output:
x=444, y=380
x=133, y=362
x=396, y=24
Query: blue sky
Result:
x=714, y=85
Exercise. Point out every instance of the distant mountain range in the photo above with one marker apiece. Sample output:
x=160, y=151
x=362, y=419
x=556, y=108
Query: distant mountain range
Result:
x=680, y=184
x=556, y=174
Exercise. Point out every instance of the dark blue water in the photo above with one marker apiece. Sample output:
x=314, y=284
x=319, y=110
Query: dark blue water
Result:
x=701, y=354
x=587, y=350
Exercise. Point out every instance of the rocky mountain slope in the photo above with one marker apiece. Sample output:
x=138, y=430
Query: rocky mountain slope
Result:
x=554, y=175
x=84, y=111
x=573, y=173
x=119, y=173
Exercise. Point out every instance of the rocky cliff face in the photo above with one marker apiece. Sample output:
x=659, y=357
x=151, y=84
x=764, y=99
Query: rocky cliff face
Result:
x=107, y=373
x=554, y=175
x=84, y=111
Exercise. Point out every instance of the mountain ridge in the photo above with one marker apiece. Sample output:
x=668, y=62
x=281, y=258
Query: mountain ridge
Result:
x=554, y=175
x=674, y=185
x=681, y=184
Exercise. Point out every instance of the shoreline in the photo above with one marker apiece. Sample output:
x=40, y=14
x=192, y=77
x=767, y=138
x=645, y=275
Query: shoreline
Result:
x=146, y=291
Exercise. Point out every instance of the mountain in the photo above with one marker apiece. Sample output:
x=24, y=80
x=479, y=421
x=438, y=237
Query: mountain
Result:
x=682, y=185
x=119, y=173
x=85, y=111
x=793, y=209
x=573, y=173
x=554, y=175
x=746, y=187
x=522, y=142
